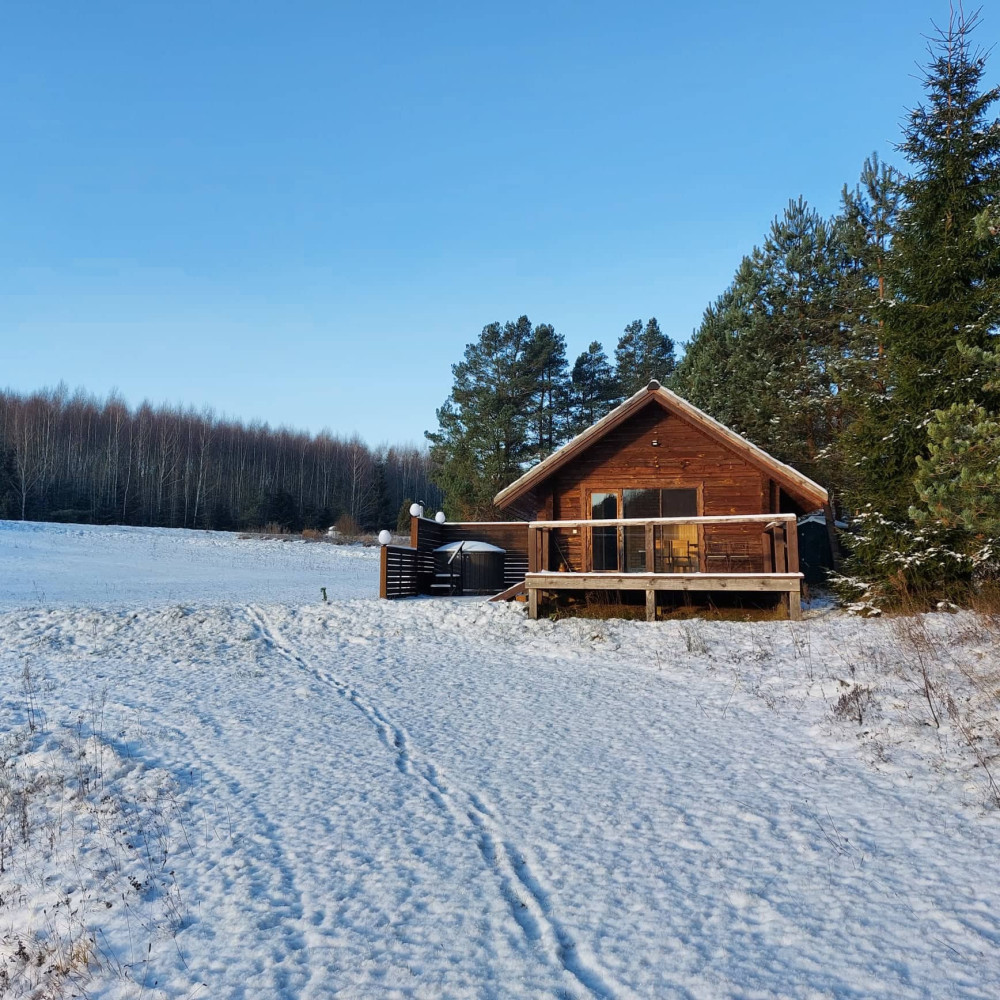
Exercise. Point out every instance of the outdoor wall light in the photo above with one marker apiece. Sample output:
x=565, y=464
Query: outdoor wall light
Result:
x=655, y=442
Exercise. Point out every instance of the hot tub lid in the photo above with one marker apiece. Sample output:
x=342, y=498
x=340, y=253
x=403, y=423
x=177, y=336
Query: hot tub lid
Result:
x=470, y=546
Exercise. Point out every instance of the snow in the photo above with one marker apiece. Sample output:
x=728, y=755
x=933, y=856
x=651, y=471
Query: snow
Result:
x=234, y=790
x=469, y=546
x=46, y=564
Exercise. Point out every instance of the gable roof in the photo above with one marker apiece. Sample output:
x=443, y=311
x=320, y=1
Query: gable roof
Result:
x=802, y=489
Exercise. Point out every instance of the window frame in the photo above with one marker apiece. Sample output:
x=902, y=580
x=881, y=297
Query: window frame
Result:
x=619, y=491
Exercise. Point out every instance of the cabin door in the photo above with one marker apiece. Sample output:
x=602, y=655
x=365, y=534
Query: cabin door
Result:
x=604, y=541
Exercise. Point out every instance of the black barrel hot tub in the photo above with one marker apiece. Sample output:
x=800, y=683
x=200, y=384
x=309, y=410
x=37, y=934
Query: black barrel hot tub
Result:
x=468, y=567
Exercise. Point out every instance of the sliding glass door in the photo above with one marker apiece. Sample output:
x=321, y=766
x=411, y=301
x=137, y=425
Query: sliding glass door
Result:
x=675, y=546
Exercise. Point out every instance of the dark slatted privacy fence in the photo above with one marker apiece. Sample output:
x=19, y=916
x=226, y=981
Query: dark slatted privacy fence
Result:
x=398, y=573
x=407, y=572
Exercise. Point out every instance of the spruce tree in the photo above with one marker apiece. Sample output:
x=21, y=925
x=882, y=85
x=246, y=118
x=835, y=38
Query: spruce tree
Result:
x=8, y=480
x=403, y=516
x=944, y=277
x=958, y=482
x=381, y=512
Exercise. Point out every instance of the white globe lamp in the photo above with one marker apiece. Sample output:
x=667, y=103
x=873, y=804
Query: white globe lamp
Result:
x=416, y=510
x=440, y=517
x=384, y=537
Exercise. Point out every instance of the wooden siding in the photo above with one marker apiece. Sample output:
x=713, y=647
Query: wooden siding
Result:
x=686, y=458
x=512, y=536
x=808, y=494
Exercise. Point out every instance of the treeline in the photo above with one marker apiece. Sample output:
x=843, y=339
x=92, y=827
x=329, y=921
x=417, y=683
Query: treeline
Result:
x=862, y=349
x=76, y=458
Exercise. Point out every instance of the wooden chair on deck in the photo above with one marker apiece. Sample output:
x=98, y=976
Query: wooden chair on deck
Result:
x=741, y=559
x=683, y=556
x=717, y=556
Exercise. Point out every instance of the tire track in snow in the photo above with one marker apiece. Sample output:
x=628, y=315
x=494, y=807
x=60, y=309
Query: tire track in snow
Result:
x=528, y=898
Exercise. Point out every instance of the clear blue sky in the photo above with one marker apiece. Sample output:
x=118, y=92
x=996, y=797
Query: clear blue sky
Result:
x=302, y=212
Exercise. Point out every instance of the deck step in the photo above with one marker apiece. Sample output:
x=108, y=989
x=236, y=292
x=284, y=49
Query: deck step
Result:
x=511, y=593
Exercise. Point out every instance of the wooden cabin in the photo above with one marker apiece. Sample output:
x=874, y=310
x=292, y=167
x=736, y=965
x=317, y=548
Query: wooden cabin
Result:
x=657, y=496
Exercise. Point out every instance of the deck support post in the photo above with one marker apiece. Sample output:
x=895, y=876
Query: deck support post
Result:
x=780, y=549
x=794, y=601
x=792, y=542
x=651, y=605
x=533, y=603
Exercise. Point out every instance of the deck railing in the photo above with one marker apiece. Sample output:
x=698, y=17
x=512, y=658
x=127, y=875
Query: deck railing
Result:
x=750, y=543
x=674, y=546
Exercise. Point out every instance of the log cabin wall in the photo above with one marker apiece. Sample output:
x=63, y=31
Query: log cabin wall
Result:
x=685, y=457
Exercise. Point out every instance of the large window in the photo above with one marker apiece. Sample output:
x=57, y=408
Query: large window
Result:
x=660, y=503
x=675, y=546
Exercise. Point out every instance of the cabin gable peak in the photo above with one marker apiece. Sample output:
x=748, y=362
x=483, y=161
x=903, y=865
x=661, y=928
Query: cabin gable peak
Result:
x=808, y=494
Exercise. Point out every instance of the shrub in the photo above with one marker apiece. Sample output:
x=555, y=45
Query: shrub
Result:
x=403, y=518
x=348, y=527
x=959, y=482
x=893, y=563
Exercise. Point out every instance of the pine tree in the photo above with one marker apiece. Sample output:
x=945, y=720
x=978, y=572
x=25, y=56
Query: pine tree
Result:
x=627, y=359
x=593, y=389
x=944, y=277
x=550, y=402
x=869, y=216
x=643, y=353
x=710, y=374
x=484, y=437
x=764, y=359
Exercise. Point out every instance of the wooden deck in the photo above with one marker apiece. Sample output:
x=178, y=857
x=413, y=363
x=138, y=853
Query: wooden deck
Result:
x=765, y=561
x=749, y=553
x=789, y=585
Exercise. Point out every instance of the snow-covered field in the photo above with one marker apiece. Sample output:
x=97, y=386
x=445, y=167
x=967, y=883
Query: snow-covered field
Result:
x=214, y=785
